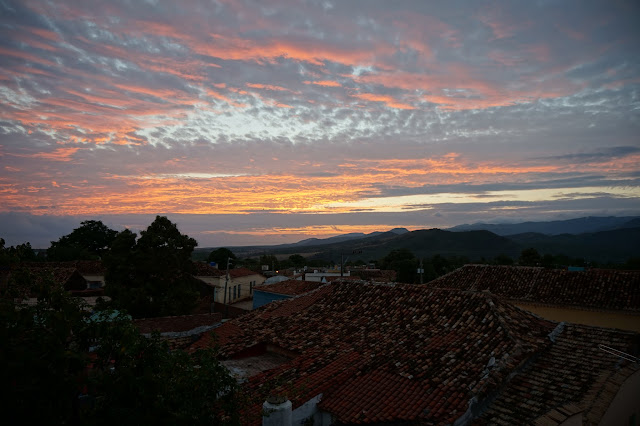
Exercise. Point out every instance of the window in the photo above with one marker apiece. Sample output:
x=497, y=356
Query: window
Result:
x=239, y=290
x=234, y=291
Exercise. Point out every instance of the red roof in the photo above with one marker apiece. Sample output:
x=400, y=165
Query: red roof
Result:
x=290, y=287
x=404, y=351
x=595, y=288
x=407, y=353
x=205, y=270
x=573, y=376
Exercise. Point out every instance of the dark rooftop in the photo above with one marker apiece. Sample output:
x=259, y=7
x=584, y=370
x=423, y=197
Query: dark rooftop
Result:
x=595, y=288
x=382, y=353
x=290, y=287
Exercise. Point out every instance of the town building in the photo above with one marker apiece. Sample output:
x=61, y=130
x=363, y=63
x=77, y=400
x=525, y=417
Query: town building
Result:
x=599, y=297
x=240, y=283
x=362, y=353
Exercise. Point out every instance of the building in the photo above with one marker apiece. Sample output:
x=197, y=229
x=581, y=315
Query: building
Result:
x=240, y=285
x=282, y=290
x=323, y=276
x=361, y=353
x=599, y=297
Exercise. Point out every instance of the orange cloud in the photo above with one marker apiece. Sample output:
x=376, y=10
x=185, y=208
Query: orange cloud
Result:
x=325, y=83
x=388, y=100
x=59, y=154
x=269, y=87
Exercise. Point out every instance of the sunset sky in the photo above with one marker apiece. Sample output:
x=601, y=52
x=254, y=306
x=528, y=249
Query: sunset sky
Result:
x=252, y=122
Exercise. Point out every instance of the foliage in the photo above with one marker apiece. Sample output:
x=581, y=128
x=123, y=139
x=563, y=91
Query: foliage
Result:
x=503, y=259
x=403, y=262
x=297, y=260
x=271, y=260
x=152, y=276
x=63, y=365
x=529, y=257
x=89, y=241
x=17, y=254
x=220, y=256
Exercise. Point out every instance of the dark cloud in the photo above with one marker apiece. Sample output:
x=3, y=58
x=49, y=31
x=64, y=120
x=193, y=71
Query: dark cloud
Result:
x=137, y=107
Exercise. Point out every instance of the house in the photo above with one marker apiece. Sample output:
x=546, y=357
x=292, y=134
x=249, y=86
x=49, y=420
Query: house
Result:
x=282, y=290
x=323, y=276
x=240, y=285
x=599, y=297
x=362, y=353
x=93, y=272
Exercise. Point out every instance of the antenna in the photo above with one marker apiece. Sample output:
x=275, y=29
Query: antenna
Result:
x=616, y=352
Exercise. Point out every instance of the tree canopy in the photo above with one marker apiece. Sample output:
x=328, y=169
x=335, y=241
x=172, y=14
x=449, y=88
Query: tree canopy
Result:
x=20, y=253
x=220, y=257
x=151, y=276
x=89, y=241
x=403, y=262
x=65, y=365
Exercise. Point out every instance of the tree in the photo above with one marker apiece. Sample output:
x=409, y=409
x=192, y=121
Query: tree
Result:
x=503, y=259
x=17, y=254
x=152, y=276
x=297, y=260
x=529, y=257
x=403, y=262
x=64, y=365
x=220, y=256
x=87, y=242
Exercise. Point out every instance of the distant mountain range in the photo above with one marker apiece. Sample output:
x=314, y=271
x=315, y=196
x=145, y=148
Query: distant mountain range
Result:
x=556, y=227
x=341, y=238
x=601, y=239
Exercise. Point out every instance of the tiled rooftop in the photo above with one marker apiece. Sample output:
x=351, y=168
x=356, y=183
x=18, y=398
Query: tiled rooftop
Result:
x=382, y=353
x=205, y=270
x=569, y=377
x=595, y=288
x=379, y=275
x=290, y=287
x=85, y=267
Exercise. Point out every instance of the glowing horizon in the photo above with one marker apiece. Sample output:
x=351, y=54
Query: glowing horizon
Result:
x=428, y=113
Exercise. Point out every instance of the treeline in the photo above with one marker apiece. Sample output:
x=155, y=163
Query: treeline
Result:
x=66, y=363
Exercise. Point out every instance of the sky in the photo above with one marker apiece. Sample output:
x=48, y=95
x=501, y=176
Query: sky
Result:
x=266, y=122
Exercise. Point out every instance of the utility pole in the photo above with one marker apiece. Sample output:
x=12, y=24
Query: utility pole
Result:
x=420, y=270
x=226, y=285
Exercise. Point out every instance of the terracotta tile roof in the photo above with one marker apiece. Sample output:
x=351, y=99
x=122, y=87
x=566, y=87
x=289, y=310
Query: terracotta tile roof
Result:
x=379, y=275
x=568, y=378
x=205, y=270
x=85, y=267
x=90, y=267
x=290, y=287
x=595, y=288
x=388, y=352
x=67, y=277
x=241, y=272
x=179, y=323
